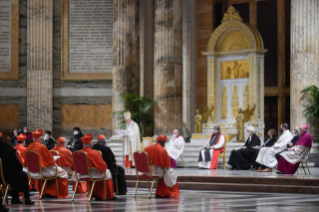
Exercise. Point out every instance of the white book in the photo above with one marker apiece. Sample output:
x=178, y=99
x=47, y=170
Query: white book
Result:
x=121, y=132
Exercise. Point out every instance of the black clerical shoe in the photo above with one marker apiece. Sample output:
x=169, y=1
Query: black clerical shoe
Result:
x=29, y=202
x=279, y=172
x=16, y=202
x=233, y=168
x=3, y=209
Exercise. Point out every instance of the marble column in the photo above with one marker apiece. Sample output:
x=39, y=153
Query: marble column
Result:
x=39, y=67
x=126, y=62
x=168, y=66
x=304, y=56
x=189, y=26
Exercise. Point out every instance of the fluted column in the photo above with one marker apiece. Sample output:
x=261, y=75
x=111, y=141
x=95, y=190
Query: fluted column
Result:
x=39, y=72
x=125, y=52
x=304, y=55
x=168, y=66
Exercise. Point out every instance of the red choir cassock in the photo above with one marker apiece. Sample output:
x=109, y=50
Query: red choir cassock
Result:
x=158, y=156
x=66, y=160
x=46, y=160
x=96, y=160
x=20, y=147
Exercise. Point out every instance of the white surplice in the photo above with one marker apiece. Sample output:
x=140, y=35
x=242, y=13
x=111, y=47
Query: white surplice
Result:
x=132, y=141
x=266, y=155
x=300, y=154
x=170, y=177
x=49, y=172
x=206, y=164
x=95, y=173
x=175, y=147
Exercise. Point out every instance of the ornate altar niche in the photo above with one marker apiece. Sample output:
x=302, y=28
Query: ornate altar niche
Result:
x=235, y=74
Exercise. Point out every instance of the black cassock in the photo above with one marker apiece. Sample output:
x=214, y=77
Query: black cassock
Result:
x=110, y=160
x=242, y=159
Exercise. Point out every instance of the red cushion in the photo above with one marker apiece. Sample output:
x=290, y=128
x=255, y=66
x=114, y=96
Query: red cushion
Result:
x=141, y=159
x=81, y=163
x=32, y=162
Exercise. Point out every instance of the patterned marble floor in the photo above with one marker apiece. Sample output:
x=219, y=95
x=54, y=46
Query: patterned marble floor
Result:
x=188, y=201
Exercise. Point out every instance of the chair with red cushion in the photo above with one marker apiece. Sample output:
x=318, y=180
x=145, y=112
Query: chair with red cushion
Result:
x=18, y=154
x=142, y=165
x=55, y=153
x=6, y=185
x=33, y=165
x=81, y=166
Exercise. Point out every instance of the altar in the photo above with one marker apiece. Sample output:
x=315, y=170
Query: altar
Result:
x=235, y=57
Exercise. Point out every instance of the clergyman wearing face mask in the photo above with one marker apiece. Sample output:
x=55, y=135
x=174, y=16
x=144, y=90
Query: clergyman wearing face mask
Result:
x=75, y=142
x=48, y=140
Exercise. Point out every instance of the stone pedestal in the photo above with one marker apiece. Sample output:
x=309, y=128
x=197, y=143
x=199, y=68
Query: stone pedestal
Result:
x=39, y=68
x=168, y=66
x=304, y=57
x=126, y=56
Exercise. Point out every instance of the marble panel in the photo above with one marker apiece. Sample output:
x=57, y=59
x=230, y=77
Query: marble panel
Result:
x=82, y=92
x=22, y=103
x=87, y=117
x=9, y=116
x=204, y=30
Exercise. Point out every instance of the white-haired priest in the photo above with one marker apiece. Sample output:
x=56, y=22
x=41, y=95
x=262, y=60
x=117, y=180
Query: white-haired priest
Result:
x=208, y=157
x=243, y=158
x=132, y=141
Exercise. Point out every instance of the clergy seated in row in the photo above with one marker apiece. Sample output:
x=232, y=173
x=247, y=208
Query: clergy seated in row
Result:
x=208, y=157
x=96, y=161
x=244, y=158
x=109, y=158
x=48, y=140
x=132, y=141
x=66, y=163
x=272, y=139
x=289, y=161
x=47, y=164
x=75, y=142
x=20, y=146
x=267, y=156
x=175, y=147
x=158, y=156
x=292, y=142
x=13, y=172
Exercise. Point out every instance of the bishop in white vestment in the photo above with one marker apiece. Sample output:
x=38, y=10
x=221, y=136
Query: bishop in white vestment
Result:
x=132, y=140
x=266, y=156
x=175, y=147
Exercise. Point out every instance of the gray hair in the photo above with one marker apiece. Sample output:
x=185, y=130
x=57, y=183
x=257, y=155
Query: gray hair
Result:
x=218, y=127
x=88, y=145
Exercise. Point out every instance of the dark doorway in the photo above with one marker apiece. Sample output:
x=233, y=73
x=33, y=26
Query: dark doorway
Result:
x=271, y=114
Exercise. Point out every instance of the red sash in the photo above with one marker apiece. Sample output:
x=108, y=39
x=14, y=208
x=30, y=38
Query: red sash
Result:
x=216, y=152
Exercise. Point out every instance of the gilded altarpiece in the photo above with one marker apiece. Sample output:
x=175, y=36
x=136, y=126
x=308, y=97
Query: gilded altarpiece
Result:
x=235, y=56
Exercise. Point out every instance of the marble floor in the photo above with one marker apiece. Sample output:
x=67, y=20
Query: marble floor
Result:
x=188, y=201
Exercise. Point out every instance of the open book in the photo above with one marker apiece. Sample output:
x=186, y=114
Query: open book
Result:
x=121, y=132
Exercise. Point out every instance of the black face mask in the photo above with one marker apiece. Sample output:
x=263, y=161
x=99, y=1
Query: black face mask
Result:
x=281, y=130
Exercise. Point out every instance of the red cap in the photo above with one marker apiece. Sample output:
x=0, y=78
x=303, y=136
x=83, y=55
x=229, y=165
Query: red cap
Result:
x=161, y=138
x=61, y=140
x=100, y=137
x=87, y=138
x=37, y=134
x=21, y=137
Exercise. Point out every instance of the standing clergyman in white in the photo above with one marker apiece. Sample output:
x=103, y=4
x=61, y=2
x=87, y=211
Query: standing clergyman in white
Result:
x=132, y=141
x=175, y=147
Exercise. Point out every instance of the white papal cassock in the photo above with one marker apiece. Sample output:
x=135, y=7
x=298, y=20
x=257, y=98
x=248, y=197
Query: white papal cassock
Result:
x=266, y=155
x=132, y=141
x=175, y=147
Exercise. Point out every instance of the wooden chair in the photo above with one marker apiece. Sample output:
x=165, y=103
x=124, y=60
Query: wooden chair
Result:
x=302, y=168
x=147, y=141
x=55, y=153
x=33, y=165
x=142, y=165
x=81, y=166
x=6, y=185
x=116, y=173
x=223, y=155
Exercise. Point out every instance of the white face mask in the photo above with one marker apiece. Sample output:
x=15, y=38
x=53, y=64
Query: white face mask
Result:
x=174, y=136
x=46, y=137
x=76, y=132
x=215, y=131
x=25, y=131
x=15, y=134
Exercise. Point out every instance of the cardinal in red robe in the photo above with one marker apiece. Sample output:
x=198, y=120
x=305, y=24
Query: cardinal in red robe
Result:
x=66, y=163
x=96, y=161
x=20, y=146
x=47, y=164
x=158, y=156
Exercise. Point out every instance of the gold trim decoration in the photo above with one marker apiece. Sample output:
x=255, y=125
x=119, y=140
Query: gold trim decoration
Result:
x=232, y=15
x=246, y=97
x=259, y=89
x=210, y=83
x=235, y=102
x=215, y=89
x=233, y=41
x=238, y=69
x=252, y=85
x=254, y=125
x=201, y=136
x=65, y=74
x=229, y=137
x=224, y=103
x=13, y=73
